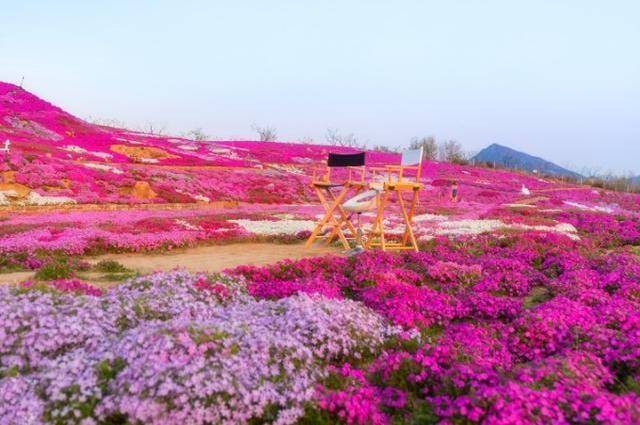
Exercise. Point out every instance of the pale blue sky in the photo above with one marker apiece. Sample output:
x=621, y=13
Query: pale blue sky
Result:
x=559, y=79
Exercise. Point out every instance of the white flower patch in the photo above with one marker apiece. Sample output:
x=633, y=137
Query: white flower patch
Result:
x=188, y=147
x=9, y=193
x=519, y=206
x=270, y=228
x=33, y=127
x=224, y=152
x=468, y=227
x=286, y=168
x=200, y=198
x=103, y=167
x=34, y=198
x=187, y=225
x=221, y=151
x=3, y=199
x=563, y=228
x=134, y=142
x=475, y=227
x=80, y=150
x=429, y=217
x=75, y=149
x=285, y=216
x=149, y=160
x=596, y=208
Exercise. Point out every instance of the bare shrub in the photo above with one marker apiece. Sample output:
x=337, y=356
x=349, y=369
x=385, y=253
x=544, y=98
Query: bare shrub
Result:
x=156, y=130
x=266, y=134
x=197, y=134
x=107, y=122
x=384, y=148
x=148, y=128
x=428, y=145
x=335, y=138
x=451, y=151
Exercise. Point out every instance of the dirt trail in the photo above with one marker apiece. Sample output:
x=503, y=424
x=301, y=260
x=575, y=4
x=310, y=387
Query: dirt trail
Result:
x=201, y=259
x=215, y=258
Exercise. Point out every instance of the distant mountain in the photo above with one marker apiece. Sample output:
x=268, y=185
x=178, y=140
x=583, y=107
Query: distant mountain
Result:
x=512, y=158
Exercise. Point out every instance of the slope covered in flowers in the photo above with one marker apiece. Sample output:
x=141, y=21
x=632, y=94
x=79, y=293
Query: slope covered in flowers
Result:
x=57, y=155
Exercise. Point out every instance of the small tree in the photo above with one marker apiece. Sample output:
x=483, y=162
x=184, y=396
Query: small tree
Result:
x=266, y=134
x=384, y=148
x=155, y=130
x=428, y=145
x=108, y=122
x=197, y=134
x=334, y=138
x=451, y=151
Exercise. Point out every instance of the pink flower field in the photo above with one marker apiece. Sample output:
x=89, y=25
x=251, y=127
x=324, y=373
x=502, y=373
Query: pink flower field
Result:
x=522, y=306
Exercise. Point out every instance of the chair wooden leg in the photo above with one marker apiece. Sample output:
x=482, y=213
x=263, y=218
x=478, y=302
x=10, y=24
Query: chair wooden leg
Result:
x=407, y=221
x=344, y=220
x=412, y=210
x=344, y=217
x=337, y=231
x=334, y=231
x=323, y=222
x=329, y=218
x=383, y=204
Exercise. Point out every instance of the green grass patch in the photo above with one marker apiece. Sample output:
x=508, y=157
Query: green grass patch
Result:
x=110, y=266
x=54, y=270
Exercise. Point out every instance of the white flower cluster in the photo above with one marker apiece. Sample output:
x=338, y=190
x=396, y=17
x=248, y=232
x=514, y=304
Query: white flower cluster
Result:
x=78, y=149
x=270, y=228
x=34, y=198
x=103, y=167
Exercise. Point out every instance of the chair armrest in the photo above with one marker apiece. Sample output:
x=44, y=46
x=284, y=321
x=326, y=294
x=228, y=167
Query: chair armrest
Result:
x=320, y=172
x=362, y=171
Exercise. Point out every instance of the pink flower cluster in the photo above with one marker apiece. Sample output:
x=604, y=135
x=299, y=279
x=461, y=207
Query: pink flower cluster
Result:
x=523, y=329
x=74, y=286
x=83, y=232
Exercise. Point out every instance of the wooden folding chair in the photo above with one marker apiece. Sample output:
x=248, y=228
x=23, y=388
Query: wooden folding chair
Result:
x=396, y=182
x=332, y=202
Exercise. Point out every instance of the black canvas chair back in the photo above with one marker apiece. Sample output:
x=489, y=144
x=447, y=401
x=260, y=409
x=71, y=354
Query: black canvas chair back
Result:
x=346, y=159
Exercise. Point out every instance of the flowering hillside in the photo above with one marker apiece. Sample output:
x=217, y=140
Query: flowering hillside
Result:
x=58, y=158
x=523, y=306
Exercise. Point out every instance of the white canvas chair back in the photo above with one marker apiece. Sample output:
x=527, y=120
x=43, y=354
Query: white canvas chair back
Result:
x=411, y=157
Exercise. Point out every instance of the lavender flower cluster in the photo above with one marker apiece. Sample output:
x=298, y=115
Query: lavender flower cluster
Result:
x=166, y=349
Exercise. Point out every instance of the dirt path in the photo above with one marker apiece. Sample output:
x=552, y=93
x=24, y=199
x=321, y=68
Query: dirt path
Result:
x=215, y=258
x=201, y=259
